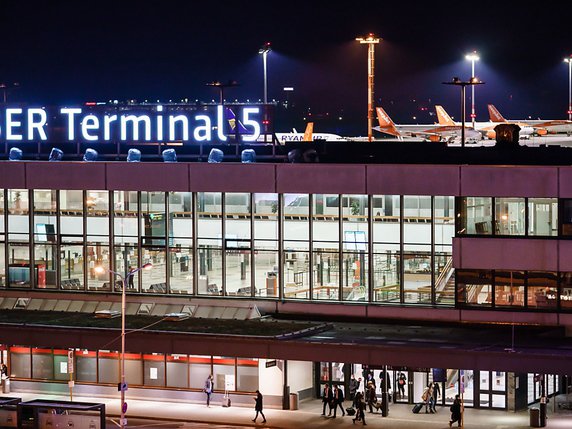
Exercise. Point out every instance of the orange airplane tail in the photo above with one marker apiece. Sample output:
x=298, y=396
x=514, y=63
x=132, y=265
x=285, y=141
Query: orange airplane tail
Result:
x=443, y=117
x=495, y=115
x=308, y=132
x=386, y=125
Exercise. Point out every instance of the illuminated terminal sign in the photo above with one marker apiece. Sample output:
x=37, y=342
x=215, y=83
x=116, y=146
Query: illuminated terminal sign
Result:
x=27, y=124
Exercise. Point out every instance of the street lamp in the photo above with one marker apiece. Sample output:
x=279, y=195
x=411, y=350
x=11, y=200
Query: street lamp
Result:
x=124, y=282
x=264, y=51
x=569, y=61
x=458, y=82
x=472, y=57
x=371, y=41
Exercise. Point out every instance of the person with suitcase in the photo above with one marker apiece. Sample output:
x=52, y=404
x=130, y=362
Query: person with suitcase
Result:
x=258, y=407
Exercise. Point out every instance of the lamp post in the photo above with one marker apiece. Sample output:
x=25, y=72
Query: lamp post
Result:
x=458, y=82
x=371, y=41
x=124, y=282
x=472, y=57
x=569, y=61
x=264, y=50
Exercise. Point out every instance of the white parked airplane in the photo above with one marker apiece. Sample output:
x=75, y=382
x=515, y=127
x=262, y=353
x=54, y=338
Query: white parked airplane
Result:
x=448, y=132
x=487, y=129
x=307, y=136
x=540, y=127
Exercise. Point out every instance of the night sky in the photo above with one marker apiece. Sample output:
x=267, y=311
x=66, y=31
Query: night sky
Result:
x=63, y=52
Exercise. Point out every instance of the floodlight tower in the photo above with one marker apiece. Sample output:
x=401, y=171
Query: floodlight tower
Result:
x=472, y=57
x=371, y=41
x=264, y=50
x=569, y=61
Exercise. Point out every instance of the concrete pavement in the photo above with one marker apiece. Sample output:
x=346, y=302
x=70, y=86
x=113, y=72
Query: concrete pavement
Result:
x=308, y=416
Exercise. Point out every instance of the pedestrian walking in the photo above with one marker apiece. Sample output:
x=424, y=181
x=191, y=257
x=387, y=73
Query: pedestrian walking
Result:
x=339, y=400
x=360, y=409
x=371, y=397
x=209, y=386
x=455, y=412
x=401, y=382
x=354, y=386
x=327, y=398
x=258, y=407
x=427, y=397
x=436, y=394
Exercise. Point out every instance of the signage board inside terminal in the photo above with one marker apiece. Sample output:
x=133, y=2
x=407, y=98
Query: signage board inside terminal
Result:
x=135, y=124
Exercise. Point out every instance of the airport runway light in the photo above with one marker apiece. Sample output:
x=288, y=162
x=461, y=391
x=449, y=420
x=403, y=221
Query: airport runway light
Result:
x=221, y=86
x=371, y=41
x=569, y=61
x=264, y=50
x=124, y=283
x=458, y=82
x=472, y=57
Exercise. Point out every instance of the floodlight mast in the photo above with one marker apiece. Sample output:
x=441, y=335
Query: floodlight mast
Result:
x=371, y=41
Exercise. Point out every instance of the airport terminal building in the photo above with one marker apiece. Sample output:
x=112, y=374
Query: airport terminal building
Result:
x=443, y=245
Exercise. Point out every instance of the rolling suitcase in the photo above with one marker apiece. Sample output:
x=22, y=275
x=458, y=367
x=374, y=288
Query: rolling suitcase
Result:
x=226, y=400
x=417, y=408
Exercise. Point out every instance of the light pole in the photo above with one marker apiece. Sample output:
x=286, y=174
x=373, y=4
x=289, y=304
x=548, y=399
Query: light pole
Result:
x=458, y=82
x=371, y=41
x=472, y=57
x=569, y=61
x=124, y=282
x=264, y=51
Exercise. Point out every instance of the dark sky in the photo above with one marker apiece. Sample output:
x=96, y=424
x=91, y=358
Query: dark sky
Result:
x=72, y=52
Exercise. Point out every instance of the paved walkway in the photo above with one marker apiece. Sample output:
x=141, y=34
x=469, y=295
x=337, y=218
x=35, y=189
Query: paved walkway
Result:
x=308, y=416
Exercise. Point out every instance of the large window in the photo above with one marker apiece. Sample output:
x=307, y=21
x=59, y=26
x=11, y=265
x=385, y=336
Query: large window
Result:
x=296, y=238
x=511, y=216
x=474, y=287
x=209, y=241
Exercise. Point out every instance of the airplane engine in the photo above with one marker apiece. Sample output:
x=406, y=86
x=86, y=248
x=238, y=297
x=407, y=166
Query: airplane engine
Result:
x=491, y=134
x=541, y=131
x=434, y=138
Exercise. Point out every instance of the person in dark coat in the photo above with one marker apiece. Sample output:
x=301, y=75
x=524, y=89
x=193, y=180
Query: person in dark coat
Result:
x=455, y=412
x=436, y=394
x=401, y=382
x=371, y=397
x=339, y=400
x=209, y=386
x=327, y=398
x=360, y=407
x=354, y=386
x=258, y=407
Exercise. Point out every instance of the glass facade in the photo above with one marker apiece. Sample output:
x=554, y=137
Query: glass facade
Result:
x=386, y=249
x=145, y=370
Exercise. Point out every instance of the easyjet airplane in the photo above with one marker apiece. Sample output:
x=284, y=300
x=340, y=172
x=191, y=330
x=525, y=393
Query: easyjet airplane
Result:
x=487, y=129
x=437, y=132
x=540, y=127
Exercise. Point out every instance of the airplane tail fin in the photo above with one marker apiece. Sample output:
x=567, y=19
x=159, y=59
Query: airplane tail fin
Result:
x=386, y=125
x=443, y=117
x=495, y=115
x=308, y=133
x=233, y=122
